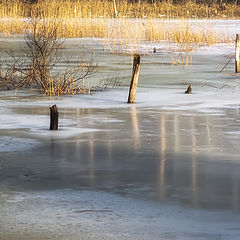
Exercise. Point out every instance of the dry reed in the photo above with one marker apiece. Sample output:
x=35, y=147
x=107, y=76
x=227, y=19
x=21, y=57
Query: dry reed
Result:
x=104, y=8
x=135, y=23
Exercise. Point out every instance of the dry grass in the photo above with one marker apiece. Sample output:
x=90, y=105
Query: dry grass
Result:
x=135, y=23
x=104, y=8
x=127, y=31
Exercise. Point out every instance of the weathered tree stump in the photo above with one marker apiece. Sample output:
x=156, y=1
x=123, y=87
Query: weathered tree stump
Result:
x=237, y=54
x=53, y=117
x=189, y=89
x=134, y=82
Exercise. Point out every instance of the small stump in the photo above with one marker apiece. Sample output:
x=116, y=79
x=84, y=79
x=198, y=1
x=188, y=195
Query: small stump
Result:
x=189, y=89
x=53, y=117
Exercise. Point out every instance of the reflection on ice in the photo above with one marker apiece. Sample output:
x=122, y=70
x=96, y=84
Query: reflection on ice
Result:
x=162, y=155
x=194, y=164
x=92, y=160
x=147, y=153
x=135, y=128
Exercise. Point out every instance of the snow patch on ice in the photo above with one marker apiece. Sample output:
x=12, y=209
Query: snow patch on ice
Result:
x=38, y=126
x=63, y=132
x=202, y=100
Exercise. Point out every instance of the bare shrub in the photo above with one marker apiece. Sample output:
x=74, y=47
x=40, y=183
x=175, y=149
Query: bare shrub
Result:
x=38, y=68
x=7, y=78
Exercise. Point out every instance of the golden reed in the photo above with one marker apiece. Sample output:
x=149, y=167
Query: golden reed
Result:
x=135, y=22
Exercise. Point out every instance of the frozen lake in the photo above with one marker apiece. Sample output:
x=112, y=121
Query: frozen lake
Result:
x=167, y=167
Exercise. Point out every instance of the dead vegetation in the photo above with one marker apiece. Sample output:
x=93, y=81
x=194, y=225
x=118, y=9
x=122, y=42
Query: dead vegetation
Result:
x=135, y=21
x=120, y=8
x=38, y=67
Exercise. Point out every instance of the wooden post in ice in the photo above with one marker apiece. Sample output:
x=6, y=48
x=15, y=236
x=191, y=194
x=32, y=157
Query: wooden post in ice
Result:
x=237, y=54
x=189, y=89
x=53, y=117
x=134, y=82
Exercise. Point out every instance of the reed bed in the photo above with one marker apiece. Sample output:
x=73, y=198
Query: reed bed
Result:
x=105, y=8
x=134, y=24
x=127, y=31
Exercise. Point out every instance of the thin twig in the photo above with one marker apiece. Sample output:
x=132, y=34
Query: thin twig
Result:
x=225, y=65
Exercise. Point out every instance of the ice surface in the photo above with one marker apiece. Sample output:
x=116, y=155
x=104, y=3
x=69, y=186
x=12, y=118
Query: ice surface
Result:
x=166, y=167
x=97, y=215
x=203, y=99
x=9, y=144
